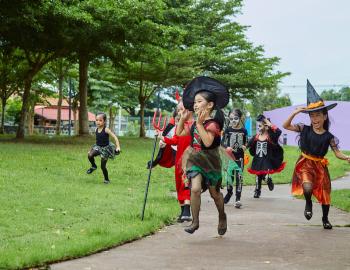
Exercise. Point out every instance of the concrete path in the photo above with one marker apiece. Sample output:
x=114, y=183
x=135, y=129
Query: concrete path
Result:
x=267, y=233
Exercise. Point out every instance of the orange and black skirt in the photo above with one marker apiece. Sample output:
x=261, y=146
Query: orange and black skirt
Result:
x=313, y=171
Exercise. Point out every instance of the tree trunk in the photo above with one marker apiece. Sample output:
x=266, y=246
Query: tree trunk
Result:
x=142, y=119
x=111, y=119
x=30, y=119
x=3, y=103
x=76, y=124
x=25, y=104
x=83, y=79
x=59, y=104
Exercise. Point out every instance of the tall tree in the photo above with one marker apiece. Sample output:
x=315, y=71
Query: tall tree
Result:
x=11, y=72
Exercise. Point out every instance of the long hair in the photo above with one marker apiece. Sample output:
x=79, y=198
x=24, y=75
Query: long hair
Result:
x=219, y=115
x=327, y=123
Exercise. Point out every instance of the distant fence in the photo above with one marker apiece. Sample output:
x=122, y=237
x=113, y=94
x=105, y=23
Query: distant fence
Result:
x=124, y=126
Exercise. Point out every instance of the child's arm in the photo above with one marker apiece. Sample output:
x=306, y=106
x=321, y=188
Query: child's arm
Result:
x=117, y=145
x=338, y=153
x=288, y=123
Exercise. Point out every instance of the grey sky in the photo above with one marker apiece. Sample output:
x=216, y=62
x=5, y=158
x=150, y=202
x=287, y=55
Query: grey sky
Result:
x=312, y=38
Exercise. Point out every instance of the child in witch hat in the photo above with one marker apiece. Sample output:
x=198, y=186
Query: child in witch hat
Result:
x=201, y=160
x=267, y=154
x=311, y=176
x=235, y=140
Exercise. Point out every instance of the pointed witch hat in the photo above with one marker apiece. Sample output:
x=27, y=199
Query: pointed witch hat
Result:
x=314, y=101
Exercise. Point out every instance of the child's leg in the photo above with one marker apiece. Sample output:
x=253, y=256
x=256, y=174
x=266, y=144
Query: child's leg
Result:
x=91, y=156
x=229, y=189
x=258, y=181
x=307, y=188
x=104, y=169
x=325, y=211
x=196, y=188
x=219, y=202
x=269, y=183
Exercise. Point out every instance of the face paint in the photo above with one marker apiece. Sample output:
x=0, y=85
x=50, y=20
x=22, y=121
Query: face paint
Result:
x=261, y=127
x=234, y=120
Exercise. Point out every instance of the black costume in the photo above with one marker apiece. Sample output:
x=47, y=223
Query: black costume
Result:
x=267, y=158
x=103, y=148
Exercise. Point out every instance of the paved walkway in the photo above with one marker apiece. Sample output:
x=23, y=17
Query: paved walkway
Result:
x=267, y=233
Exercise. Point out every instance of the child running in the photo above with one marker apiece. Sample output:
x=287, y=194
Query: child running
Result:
x=103, y=146
x=311, y=176
x=201, y=161
x=267, y=154
x=235, y=140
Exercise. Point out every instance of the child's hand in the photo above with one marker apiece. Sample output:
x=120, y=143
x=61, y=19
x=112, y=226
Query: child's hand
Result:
x=201, y=117
x=244, y=148
x=117, y=151
x=348, y=159
x=229, y=149
x=185, y=115
x=299, y=109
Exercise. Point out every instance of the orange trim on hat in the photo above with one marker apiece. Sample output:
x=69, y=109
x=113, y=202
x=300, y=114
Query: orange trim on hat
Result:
x=315, y=105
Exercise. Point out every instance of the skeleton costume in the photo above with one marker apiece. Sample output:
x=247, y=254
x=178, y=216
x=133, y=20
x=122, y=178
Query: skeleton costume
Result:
x=267, y=158
x=235, y=138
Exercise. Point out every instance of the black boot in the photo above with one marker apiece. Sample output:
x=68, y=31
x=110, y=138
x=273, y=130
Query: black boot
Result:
x=269, y=183
x=326, y=224
x=229, y=194
x=186, y=214
x=308, y=209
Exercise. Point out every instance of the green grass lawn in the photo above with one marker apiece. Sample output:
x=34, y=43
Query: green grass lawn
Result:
x=52, y=210
x=341, y=199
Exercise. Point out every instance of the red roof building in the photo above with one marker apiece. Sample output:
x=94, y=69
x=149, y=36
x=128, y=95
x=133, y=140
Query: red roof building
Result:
x=46, y=114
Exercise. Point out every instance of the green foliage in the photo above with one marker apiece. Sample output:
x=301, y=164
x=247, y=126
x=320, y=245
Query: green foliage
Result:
x=13, y=110
x=341, y=95
x=268, y=99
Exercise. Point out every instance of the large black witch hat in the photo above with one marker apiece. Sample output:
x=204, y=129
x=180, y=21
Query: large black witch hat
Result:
x=203, y=83
x=314, y=101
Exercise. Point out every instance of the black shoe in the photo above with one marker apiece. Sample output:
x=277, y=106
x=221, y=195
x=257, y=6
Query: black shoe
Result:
x=91, y=170
x=326, y=224
x=192, y=228
x=308, y=211
x=228, y=196
x=257, y=193
x=186, y=213
x=106, y=181
x=270, y=184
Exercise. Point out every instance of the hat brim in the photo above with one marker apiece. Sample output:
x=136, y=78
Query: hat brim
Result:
x=328, y=107
x=204, y=83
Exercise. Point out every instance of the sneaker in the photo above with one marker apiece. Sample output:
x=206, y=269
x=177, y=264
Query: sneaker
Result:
x=228, y=197
x=257, y=193
x=270, y=184
x=238, y=204
x=106, y=181
x=91, y=170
